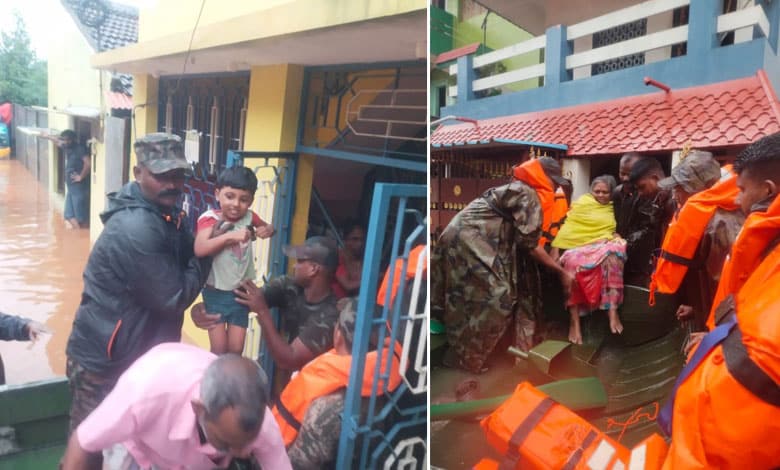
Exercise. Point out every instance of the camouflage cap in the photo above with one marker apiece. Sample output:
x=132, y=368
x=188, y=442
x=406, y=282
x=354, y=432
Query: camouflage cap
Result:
x=693, y=173
x=553, y=170
x=347, y=308
x=160, y=153
x=321, y=250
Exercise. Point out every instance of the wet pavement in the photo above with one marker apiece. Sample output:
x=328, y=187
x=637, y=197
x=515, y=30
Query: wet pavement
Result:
x=41, y=264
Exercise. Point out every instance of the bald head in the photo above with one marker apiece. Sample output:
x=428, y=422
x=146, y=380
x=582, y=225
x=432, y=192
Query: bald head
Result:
x=232, y=381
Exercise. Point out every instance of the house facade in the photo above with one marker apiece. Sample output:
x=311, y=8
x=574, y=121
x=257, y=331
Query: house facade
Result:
x=647, y=77
x=326, y=102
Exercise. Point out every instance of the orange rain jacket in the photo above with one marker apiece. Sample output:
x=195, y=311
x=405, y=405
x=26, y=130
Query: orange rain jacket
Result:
x=532, y=174
x=718, y=421
x=685, y=233
x=322, y=376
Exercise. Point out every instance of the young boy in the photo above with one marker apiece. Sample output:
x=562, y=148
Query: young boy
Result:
x=226, y=235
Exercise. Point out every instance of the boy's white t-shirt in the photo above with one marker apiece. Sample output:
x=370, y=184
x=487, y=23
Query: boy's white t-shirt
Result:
x=235, y=263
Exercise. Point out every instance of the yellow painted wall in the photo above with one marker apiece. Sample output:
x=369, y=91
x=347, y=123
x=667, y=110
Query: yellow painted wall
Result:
x=168, y=17
x=145, y=95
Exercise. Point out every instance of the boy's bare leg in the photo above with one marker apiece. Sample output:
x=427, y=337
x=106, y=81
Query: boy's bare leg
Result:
x=235, y=339
x=575, y=335
x=72, y=224
x=218, y=339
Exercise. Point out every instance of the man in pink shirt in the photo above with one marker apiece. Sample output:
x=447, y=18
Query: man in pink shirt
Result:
x=181, y=407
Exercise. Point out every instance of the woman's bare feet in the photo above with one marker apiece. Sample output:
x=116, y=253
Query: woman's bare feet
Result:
x=614, y=321
x=575, y=335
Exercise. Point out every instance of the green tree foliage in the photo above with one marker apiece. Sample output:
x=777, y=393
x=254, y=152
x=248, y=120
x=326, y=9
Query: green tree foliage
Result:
x=23, y=78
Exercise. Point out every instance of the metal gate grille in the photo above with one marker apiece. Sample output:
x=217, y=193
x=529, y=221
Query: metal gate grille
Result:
x=388, y=429
x=215, y=107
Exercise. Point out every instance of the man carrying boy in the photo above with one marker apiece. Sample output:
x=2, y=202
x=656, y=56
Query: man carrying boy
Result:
x=232, y=252
x=140, y=276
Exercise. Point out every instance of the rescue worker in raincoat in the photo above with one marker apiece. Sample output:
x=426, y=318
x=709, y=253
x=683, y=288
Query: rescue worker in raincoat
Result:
x=726, y=409
x=475, y=269
x=700, y=235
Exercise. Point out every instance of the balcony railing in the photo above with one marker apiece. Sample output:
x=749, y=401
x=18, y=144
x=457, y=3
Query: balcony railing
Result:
x=562, y=62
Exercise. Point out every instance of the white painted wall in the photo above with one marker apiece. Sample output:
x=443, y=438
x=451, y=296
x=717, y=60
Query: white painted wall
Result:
x=657, y=23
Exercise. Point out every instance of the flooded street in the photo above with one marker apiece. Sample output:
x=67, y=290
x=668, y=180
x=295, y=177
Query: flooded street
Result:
x=41, y=264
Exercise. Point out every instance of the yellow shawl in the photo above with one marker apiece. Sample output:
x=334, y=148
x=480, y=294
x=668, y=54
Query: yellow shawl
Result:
x=587, y=221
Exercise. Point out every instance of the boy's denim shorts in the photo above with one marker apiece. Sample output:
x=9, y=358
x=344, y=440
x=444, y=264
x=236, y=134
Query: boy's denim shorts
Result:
x=224, y=303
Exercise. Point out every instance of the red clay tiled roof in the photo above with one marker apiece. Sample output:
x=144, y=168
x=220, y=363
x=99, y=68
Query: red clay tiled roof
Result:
x=455, y=53
x=736, y=112
x=118, y=100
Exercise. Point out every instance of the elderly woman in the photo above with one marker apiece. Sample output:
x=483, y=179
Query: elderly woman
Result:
x=595, y=254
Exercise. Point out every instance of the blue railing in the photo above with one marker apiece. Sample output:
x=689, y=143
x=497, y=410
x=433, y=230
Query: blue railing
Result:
x=388, y=428
x=705, y=62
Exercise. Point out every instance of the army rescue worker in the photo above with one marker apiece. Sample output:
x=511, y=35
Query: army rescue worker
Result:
x=475, y=273
x=140, y=276
x=700, y=235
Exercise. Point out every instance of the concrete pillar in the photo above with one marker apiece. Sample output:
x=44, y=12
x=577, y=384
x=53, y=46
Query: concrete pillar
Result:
x=578, y=171
x=555, y=52
x=675, y=158
x=466, y=77
x=702, y=27
x=273, y=116
x=145, y=96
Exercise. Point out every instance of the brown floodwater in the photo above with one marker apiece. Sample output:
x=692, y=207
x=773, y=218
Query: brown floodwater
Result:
x=41, y=263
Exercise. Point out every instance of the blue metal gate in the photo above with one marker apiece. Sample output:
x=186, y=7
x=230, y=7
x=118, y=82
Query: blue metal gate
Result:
x=388, y=429
x=275, y=202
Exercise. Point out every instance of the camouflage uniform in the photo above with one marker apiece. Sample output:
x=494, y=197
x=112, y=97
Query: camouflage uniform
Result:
x=476, y=271
x=311, y=323
x=318, y=439
x=316, y=445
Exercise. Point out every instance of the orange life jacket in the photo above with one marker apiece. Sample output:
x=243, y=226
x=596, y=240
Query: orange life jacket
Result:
x=560, y=209
x=532, y=174
x=322, y=376
x=730, y=403
x=685, y=232
x=742, y=260
x=531, y=430
x=411, y=272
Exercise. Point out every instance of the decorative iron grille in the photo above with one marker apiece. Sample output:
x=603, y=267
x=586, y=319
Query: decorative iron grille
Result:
x=614, y=35
x=214, y=106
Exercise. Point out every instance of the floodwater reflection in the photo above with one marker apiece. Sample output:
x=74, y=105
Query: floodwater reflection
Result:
x=41, y=264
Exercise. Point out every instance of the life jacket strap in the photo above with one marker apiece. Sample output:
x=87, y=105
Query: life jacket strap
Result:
x=522, y=432
x=747, y=372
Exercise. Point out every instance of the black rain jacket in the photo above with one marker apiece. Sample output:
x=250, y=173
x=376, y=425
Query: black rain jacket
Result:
x=141, y=275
